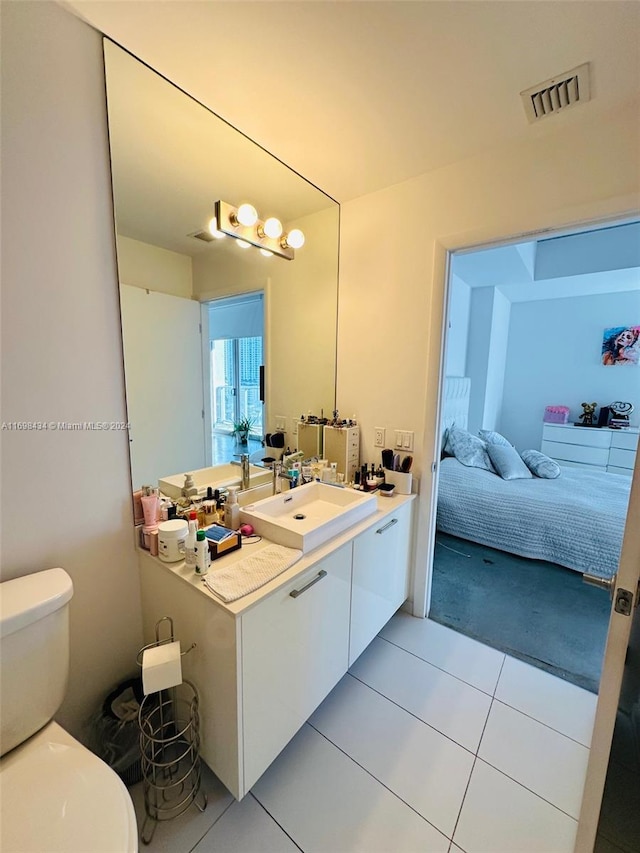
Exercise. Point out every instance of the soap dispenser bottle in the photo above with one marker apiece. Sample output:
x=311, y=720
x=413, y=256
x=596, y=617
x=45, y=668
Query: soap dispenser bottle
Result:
x=232, y=510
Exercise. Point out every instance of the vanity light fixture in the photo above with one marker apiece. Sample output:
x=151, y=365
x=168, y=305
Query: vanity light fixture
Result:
x=213, y=229
x=243, y=224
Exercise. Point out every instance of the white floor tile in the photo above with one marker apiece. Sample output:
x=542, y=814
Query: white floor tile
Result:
x=245, y=826
x=182, y=833
x=325, y=802
x=500, y=816
x=454, y=708
x=563, y=706
x=548, y=763
x=424, y=768
x=461, y=656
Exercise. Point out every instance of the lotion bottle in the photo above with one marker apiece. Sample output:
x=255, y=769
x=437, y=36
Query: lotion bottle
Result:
x=232, y=510
x=203, y=556
x=190, y=544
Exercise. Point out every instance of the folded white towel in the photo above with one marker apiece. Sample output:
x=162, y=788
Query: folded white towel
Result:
x=250, y=573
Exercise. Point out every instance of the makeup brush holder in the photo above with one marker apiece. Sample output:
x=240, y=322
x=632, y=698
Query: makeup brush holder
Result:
x=400, y=480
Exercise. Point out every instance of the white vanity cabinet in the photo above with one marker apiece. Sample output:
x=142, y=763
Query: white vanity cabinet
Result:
x=263, y=663
x=380, y=577
x=294, y=651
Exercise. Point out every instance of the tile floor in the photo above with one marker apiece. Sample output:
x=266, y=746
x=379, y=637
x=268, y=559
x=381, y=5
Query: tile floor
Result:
x=432, y=742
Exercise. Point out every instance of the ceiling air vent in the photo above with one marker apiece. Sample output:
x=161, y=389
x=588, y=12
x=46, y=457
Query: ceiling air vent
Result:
x=205, y=236
x=555, y=95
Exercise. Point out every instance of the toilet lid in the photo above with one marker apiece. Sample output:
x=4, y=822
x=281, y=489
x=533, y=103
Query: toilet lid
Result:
x=58, y=797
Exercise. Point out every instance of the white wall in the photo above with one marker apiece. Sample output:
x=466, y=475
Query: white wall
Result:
x=554, y=358
x=587, y=170
x=153, y=268
x=66, y=497
x=458, y=327
x=497, y=362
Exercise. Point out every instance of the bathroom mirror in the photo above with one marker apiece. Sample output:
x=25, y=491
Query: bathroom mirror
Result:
x=172, y=159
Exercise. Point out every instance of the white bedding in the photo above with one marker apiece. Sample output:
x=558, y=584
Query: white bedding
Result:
x=576, y=520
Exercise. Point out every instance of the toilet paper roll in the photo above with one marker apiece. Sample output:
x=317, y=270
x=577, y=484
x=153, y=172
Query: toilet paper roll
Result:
x=161, y=667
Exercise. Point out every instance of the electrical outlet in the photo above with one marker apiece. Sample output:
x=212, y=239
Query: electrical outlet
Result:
x=379, y=436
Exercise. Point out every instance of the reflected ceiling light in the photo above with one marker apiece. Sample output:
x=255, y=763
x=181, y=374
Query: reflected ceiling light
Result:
x=246, y=214
x=294, y=239
x=213, y=229
x=266, y=253
x=243, y=244
x=266, y=235
x=272, y=228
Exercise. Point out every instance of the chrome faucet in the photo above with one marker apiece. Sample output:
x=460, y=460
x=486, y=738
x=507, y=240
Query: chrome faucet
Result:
x=245, y=481
x=278, y=476
x=244, y=462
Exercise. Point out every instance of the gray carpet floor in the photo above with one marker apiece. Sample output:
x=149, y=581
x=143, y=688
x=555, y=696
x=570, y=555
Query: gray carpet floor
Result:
x=538, y=612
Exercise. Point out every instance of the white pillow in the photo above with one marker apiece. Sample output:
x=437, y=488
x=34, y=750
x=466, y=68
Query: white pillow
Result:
x=468, y=449
x=540, y=464
x=507, y=462
x=492, y=437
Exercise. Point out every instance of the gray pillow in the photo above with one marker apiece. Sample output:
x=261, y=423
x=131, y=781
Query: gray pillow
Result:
x=468, y=449
x=507, y=462
x=540, y=465
x=492, y=437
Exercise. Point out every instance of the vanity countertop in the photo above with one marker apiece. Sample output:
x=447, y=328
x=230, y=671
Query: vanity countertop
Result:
x=386, y=506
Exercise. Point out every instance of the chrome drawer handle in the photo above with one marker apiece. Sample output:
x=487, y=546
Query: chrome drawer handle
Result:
x=387, y=525
x=296, y=592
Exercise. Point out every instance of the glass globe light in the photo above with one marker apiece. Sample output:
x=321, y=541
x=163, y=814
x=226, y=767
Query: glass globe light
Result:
x=272, y=227
x=295, y=239
x=247, y=215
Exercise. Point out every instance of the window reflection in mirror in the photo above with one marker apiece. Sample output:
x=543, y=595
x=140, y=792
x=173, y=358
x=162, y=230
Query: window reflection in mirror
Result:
x=171, y=160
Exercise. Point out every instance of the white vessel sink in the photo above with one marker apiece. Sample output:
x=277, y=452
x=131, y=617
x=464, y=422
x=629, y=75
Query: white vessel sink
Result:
x=218, y=477
x=309, y=515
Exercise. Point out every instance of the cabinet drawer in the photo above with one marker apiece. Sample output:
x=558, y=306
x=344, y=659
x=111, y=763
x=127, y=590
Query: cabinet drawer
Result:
x=576, y=453
x=626, y=472
x=294, y=651
x=622, y=458
x=585, y=436
x=624, y=440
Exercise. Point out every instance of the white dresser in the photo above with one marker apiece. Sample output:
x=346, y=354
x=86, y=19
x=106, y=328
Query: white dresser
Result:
x=603, y=449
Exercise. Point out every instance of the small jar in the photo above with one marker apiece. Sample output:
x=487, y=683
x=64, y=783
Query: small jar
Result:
x=172, y=537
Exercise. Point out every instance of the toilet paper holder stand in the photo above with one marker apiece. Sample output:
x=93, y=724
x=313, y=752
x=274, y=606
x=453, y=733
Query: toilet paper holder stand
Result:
x=159, y=642
x=170, y=746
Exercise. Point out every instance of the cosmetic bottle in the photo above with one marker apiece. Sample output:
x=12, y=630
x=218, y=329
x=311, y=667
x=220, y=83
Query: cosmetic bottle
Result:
x=150, y=511
x=189, y=489
x=232, y=510
x=190, y=543
x=203, y=556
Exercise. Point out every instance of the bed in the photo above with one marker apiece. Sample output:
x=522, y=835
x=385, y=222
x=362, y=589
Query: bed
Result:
x=576, y=520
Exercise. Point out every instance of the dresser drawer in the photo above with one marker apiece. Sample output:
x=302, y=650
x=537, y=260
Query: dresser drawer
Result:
x=624, y=440
x=622, y=458
x=576, y=453
x=584, y=436
x=626, y=472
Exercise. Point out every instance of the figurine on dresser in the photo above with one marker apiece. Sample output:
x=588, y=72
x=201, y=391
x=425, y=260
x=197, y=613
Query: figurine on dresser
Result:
x=588, y=414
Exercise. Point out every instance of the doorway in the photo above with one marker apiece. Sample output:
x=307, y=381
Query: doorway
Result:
x=503, y=302
x=234, y=363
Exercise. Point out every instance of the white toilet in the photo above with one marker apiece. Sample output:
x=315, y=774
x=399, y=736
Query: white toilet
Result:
x=55, y=795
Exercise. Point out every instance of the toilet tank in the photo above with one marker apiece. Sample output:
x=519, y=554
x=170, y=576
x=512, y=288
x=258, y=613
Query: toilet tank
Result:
x=34, y=652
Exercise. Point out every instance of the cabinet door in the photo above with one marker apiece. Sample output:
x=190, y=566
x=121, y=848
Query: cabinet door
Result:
x=380, y=577
x=295, y=647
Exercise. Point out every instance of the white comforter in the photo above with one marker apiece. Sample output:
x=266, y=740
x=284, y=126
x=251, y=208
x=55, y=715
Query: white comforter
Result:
x=576, y=520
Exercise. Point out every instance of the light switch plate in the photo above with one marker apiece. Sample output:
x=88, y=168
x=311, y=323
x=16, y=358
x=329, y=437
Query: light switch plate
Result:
x=281, y=423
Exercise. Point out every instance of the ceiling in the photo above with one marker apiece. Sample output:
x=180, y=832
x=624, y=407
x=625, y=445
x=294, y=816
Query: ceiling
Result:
x=601, y=260
x=358, y=95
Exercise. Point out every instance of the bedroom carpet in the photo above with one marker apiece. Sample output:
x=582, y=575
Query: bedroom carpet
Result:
x=538, y=612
